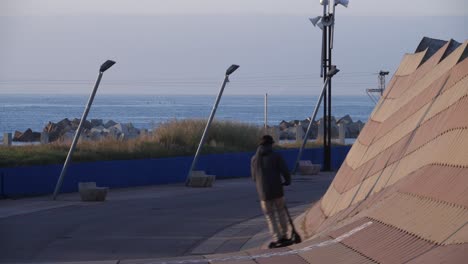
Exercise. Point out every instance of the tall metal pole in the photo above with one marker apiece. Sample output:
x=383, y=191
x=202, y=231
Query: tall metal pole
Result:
x=312, y=120
x=266, y=113
x=327, y=25
x=325, y=51
x=210, y=119
x=103, y=68
x=328, y=166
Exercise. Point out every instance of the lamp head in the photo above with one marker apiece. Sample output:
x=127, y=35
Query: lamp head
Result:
x=383, y=73
x=324, y=2
x=231, y=69
x=106, y=65
x=333, y=70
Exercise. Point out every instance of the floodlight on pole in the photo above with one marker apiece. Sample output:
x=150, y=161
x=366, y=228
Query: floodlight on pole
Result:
x=327, y=24
x=334, y=3
x=104, y=67
x=324, y=2
x=229, y=71
x=315, y=20
x=342, y=2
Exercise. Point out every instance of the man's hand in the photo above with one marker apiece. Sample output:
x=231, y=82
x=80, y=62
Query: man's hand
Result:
x=286, y=183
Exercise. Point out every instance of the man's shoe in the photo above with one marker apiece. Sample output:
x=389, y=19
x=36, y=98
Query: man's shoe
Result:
x=284, y=242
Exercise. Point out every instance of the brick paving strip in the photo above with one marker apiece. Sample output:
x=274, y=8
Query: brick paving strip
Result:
x=271, y=254
x=243, y=236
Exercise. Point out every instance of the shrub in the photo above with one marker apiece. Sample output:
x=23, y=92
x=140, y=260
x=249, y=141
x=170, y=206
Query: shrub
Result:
x=173, y=138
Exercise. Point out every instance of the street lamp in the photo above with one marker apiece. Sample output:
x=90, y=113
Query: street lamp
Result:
x=326, y=23
x=229, y=71
x=330, y=74
x=104, y=67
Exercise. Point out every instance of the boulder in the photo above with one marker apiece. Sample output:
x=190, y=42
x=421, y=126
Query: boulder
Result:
x=53, y=131
x=290, y=133
x=63, y=123
x=98, y=129
x=345, y=119
x=97, y=122
x=57, y=130
x=128, y=130
x=288, y=129
x=283, y=125
x=293, y=123
x=133, y=132
x=110, y=123
x=27, y=136
x=17, y=135
x=120, y=128
x=304, y=124
x=95, y=135
x=114, y=132
x=67, y=136
x=76, y=122
x=313, y=131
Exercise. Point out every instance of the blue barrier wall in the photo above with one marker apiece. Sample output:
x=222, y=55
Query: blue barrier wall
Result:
x=36, y=180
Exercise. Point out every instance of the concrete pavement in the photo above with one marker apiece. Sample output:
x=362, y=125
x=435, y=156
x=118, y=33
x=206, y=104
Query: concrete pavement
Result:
x=144, y=223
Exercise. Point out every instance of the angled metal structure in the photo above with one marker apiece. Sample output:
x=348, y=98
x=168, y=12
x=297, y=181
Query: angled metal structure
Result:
x=104, y=67
x=229, y=71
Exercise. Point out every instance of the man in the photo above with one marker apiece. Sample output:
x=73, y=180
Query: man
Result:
x=266, y=169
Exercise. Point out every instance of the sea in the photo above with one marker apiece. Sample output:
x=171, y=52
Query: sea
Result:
x=20, y=112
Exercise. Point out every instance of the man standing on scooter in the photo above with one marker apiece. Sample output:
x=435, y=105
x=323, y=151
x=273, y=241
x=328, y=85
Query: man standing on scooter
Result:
x=267, y=167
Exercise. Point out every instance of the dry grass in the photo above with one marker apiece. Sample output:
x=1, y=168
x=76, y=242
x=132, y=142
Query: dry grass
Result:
x=230, y=136
x=174, y=138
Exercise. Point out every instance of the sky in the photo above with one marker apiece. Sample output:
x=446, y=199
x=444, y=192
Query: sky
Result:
x=184, y=46
x=276, y=7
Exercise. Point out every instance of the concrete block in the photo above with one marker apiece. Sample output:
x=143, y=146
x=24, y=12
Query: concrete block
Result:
x=299, y=134
x=307, y=168
x=89, y=192
x=200, y=179
x=341, y=133
x=320, y=132
x=7, y=139
x=276, y=134
x=44, y=138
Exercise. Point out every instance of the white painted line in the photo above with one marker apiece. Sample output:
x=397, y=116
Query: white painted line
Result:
x=275, y=254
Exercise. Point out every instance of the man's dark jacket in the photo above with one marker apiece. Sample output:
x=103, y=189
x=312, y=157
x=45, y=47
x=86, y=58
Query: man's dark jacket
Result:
x=266, y=168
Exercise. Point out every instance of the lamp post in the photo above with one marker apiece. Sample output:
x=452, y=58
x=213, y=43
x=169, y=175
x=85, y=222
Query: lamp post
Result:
x=330, y=74
x=104, y=67
x=229, y=71
x=326, y=23
x=266, y=113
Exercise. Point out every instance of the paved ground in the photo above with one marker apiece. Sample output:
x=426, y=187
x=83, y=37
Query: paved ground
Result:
x=148, y=222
